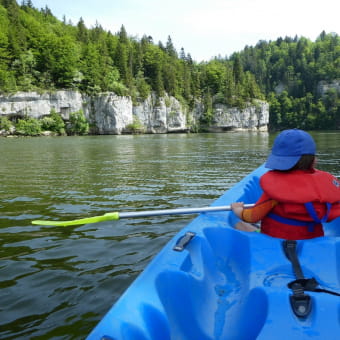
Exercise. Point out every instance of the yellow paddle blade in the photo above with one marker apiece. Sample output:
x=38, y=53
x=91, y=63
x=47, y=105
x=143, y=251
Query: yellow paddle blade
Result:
x=95, y=219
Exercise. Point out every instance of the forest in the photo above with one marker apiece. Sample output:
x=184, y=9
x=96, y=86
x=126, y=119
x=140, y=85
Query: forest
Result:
x=38, y=52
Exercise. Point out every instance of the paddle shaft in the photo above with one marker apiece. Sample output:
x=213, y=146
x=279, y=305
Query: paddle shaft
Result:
x=116, y=216
x=181, y=211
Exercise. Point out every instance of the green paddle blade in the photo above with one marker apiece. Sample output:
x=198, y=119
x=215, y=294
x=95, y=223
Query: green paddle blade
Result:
x=95, y=219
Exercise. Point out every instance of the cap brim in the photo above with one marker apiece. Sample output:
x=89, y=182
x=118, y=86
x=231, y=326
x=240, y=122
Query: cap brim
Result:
x=281, y=162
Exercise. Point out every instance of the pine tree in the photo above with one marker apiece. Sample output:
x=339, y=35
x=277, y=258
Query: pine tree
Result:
x=82, y=34
x=170, y=49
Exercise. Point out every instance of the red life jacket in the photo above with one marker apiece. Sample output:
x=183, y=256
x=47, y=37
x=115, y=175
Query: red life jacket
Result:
x=305, y=199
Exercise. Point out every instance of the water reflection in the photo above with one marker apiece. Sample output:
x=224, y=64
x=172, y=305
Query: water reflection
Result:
x=57, y=282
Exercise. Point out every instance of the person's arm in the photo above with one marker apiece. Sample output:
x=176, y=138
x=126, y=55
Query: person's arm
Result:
x=257, y=212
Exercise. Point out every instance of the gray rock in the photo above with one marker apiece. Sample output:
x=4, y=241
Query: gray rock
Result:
x=108, y=113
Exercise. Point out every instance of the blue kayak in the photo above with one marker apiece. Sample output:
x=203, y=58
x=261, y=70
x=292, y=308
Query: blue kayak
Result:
x=214, y=282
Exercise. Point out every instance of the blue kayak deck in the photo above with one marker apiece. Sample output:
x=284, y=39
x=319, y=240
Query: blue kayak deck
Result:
x=228, y=284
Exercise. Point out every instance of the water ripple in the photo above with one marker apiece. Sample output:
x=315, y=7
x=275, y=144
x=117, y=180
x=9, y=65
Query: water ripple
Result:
x=57, y=282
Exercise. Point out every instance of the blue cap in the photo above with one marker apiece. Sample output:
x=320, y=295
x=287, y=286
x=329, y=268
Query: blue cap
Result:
x=288, y=147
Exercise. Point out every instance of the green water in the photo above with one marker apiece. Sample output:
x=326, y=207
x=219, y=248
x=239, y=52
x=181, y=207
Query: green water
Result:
x=56, y=282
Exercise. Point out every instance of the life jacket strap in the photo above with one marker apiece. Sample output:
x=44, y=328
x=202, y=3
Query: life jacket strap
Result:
x=312, y=213
x=293, y=222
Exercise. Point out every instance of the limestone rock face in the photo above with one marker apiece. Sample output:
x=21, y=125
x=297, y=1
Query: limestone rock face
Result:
x=108, y=113
x=161, y=115
x=252, y=117
x=37, y=105
x=324, y=86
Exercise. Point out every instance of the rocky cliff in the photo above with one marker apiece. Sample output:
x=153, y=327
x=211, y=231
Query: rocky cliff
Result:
x=108, y=113
x=324, y=86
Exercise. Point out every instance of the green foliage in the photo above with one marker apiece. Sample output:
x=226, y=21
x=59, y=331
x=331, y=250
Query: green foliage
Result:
x=78, y=124
x=291, y=112
x=5, y=124
x=39, y=52
x=53, y=123
x=142, y=86
x=289, y=71
x=136, y=126
x=206, y=118
x=28, y=127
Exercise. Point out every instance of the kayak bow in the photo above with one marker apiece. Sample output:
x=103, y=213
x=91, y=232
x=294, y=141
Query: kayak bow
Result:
x=213, y=282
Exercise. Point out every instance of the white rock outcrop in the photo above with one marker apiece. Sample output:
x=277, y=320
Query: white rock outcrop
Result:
x=161, y=115
x=34, y=104
x=108, y=113
x=324, y=86
x=252, y=117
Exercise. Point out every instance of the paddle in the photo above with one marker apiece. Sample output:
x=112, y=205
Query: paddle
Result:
x=116, y=215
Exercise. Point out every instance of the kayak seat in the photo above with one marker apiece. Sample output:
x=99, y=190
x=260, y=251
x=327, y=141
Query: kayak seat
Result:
x=155, y=322
x=186, y=301
x=211, y=293
x=242, y=307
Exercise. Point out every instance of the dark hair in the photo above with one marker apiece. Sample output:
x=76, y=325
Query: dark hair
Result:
x=304, y=163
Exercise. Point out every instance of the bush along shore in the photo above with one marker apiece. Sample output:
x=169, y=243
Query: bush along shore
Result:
x=50, y=125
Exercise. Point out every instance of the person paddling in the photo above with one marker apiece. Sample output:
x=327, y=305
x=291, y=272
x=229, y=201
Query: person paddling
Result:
x=297, y=198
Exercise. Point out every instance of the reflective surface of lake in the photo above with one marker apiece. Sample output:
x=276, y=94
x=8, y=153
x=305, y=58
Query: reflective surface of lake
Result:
x=57, y=282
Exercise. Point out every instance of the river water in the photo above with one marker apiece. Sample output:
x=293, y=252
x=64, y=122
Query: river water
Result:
x=57, y=282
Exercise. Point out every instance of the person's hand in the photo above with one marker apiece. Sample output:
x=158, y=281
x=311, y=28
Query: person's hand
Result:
x=237, y=208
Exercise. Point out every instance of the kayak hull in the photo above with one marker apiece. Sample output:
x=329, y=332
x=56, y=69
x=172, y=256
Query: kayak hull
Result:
x=227, y=284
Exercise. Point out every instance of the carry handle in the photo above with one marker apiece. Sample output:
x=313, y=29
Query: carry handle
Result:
x=183, y=241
